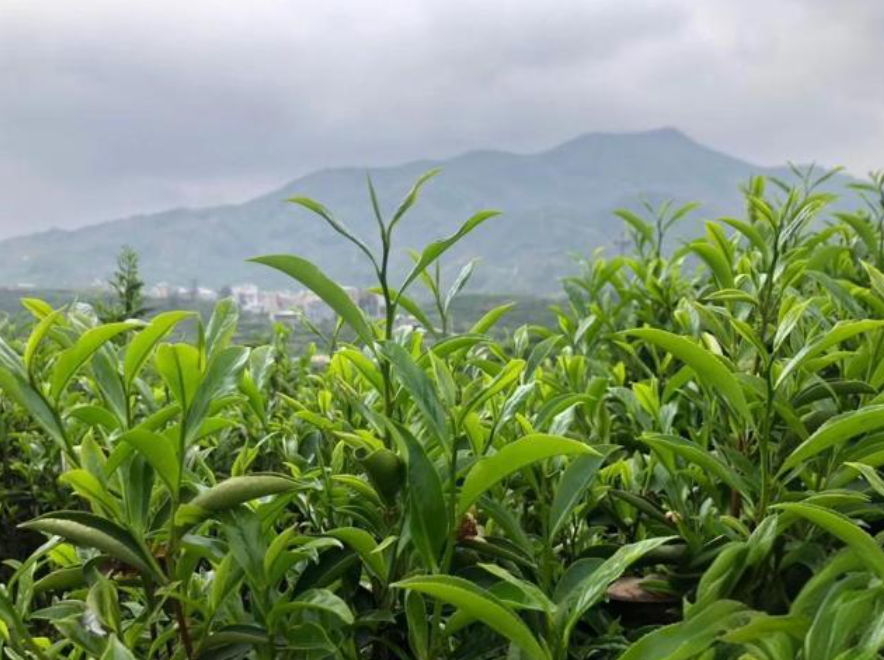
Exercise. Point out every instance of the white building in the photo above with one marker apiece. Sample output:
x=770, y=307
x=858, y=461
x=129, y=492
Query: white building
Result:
x=247, y=297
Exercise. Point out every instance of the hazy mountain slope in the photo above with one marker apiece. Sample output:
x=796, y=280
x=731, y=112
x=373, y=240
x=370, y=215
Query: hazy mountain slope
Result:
x=555, y=202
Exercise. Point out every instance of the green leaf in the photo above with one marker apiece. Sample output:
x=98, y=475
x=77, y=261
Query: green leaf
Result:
x=12, y=625
x=863, y=229
x=231, y=642
x=842, y=331
x=788, y=322
x=10, y=360
x=116, y=651
x=19, y=390
x=231, y=493
x=332, y=294
x=334, y=223
x=159, y=450
x=715, y=375
x=257, y=403
x=332, y=566
x=865, y=547
x=311, y=638
x=317, y=600
x=459, y=283
x=366, y=367
x=512, y=458
x=760, y=626
x=411, y=198
x=836, y=431
x=88, y=486
x=437, y=248
x=222, y=326
x=385, y=471
x=749, y=232
x=38, y=334
x=74, y=357
x=830, y=389
x=490, y=318
x=871, y=476
x=242, y=529
x=507, y=376
x=418, y=626
x=723, y=575
x=594, y=586
x=419, y=387
x=63, y=579
x=540, y=352
x=482, y=606
x=221, y=378
x=693, y=453
x=444, y=379
x=97, y=532
x=576, y=480
x=146, y=340
x=687, y=639
x=641, y=228
x=365, y=546
x=531, y=592
x=717, y=262
x=427, y=514
x=179, y=367
x=39, y=308
x=95, y=416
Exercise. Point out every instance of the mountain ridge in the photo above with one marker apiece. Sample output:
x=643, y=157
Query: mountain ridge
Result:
x=554, y=201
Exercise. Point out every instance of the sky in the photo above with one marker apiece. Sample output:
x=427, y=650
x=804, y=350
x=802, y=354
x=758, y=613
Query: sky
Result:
x=110, y=108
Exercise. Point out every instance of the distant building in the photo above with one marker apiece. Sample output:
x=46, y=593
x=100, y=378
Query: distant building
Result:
x=284, y=306
x=165, y=290
x=247, y=297
x=370, y=303
x=288, y=307
x=202, y=293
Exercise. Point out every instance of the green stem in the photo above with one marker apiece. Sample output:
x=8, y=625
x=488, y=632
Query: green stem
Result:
x=767, y=307
x=445, y=564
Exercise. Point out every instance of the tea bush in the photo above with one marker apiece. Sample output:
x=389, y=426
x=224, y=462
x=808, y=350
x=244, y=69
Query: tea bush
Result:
x=684, y=466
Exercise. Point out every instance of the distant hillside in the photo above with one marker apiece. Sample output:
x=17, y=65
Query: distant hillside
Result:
x=555, y=203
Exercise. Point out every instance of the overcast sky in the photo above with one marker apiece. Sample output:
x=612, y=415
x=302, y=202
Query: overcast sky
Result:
x=110, y=108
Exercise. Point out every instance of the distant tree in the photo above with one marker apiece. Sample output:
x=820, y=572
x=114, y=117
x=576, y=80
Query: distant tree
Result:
x=127, y=299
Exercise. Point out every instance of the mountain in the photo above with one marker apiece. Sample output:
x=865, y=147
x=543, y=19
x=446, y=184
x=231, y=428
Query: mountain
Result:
x=555, y=203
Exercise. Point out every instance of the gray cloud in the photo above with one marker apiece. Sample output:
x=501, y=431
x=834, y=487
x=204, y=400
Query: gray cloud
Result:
x=114, y=108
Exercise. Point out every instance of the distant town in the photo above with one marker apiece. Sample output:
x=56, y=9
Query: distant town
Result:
x=282, y=306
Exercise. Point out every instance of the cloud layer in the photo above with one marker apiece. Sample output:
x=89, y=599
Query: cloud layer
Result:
x=113, y=108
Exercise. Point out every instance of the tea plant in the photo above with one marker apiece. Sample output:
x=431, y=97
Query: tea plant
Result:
x=684, y=466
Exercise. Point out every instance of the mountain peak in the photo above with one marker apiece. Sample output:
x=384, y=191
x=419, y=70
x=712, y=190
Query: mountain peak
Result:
x=554, y=202
x=657, y=137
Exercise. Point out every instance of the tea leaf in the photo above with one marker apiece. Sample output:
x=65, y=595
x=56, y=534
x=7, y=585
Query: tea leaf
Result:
x=482, y=606
x=436, y=249
x=512, y=458
x=146, y=340
x=716, y=376
x=332, y=294
x=365, y=545
x=836, y=431
x=687, y=639
x=159, y=450
x=71, y=359
x=865, y=547
x=96, y=532
x=427, y=515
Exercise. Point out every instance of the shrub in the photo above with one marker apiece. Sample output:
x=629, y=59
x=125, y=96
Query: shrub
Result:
x=685, y=466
